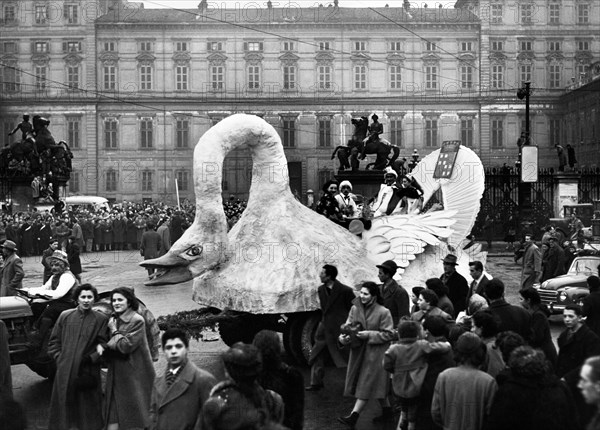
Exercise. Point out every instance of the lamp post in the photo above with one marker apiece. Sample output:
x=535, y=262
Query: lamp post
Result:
x=524, y=188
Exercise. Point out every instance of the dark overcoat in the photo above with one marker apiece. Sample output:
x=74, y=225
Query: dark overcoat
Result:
x=46, y=263
x=150, y=244
x=44, y=236
x=131, y=231
x=396, y=299
x=12, y=275
x=574, y=350
x=75, y=335
x=335, y=308
x=178, y=407
x=591, y=310
x=366, y=378
x=540, y=335
x=458, y=289
x=119, y=230
x=165, y=239
x=513, y=318
x=129, y=380
x=5, y=372
x=107, y=232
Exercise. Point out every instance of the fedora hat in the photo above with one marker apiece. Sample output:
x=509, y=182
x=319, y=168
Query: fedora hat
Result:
x=59, y=255
x=388, y=265
x=9, y=244
x=450, y=259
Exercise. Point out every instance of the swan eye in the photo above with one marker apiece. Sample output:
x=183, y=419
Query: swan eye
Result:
x=194, y=250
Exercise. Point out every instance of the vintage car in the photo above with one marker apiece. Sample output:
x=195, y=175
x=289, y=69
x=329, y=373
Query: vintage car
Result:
x=571, y=287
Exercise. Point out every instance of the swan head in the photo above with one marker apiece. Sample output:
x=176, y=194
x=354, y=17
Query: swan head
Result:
x=200, y=249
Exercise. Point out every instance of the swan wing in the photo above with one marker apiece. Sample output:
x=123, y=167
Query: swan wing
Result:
x=461, y=193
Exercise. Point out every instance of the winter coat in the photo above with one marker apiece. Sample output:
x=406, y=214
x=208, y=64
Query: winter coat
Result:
x=178, y=407
x=131, y=376
x=535, y=403
x=75, y=336
x=131, y=232
x=513, y=318
x=26, y=233
x=5, y=372
x=73, y=252
x=540, y=335
x=150, y=244
x=78, y=233
x=532, y=264
x=287, y=381
x=46, y=263
x=107, y=232
x=44, y=236
x=396, y=299
x=574, y=350
x=366, y=378
x=458, y=290
x=335, y=307
x=119, y=228
x=591, y=309
x=12, y=275
x=165, y=239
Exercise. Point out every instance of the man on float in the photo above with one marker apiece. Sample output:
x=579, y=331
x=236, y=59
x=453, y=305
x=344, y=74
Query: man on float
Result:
x=345, y=201
x=382, y=206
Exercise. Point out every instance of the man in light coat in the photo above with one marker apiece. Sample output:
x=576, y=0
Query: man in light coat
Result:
x=532, y=264
x=165, y=237
x=12, y=271
x=178, y=395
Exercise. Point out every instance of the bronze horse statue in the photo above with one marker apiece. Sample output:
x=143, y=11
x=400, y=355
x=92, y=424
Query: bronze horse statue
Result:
x=360, y=145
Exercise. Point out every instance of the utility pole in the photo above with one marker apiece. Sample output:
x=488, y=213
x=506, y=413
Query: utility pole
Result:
x=527, y=166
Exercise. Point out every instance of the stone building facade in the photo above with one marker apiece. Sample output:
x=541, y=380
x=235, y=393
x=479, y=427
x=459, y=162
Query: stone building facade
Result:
x=150, y=82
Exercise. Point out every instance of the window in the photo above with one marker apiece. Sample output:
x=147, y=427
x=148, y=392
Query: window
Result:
x=10, y=13
x=10, y=79
x=74, y=182
x=360, y=45
x=526, y=45
x=466, y=131
x=146, y=133
x=72, y=13
x=431, y=77
x=582, y=69
x=9, y=47
x=554, y=13
x=109, y=73
x=289, y=132
x=554, y=45
x=217, y=78
x=110, y=46
x=525, y=72
x=583, y=45
x=40, y=47
x=526, y=11
x=431, y=129
x=182, y=133
x=40, y=73
x=583, y=13
x=146, y=180
x=466, y=46
x=395, y=46
x=396, y=132
x=497, y=76
x=183, y=180
x=71, y=46
x=496, y=13
x=324, y=176
x=145, y=46
x=253, y=77
x=110, y=133
x=325, y=77
x=554, y=138
x=145, y=77
x=74, y=132
x=497, y=45
x=73, y=77
x=181, y=78
x=289, y=46
x=360, y=77
x=253, y=46
x=289, y=77
x=497, y=130
x=41, y=14
x=214, y=46
x=466, y=76
x=554, y=75
x=111, y=180
x=324, y=46
x=7, y=126
x=325, y=132
x=181, y=46
x=430, y=46
x=395, y=77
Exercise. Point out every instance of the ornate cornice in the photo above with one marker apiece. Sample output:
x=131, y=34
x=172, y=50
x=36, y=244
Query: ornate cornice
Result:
x=395, y=59
x=253, y=57
x=216, y=59
x=109, y=58
x=73, y=59
x=324, y=57
x=289, y=59
x=497, y=58
x=431, y=58
x=467, y=57
x=145, y=58
x=525, y=56
x=182, y=58
x=583, y=56
x=556, y=57
x=360, y=57
x=40, y=59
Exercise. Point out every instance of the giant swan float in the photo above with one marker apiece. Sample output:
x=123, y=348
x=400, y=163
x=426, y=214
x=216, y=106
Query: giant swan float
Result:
x=269, y=263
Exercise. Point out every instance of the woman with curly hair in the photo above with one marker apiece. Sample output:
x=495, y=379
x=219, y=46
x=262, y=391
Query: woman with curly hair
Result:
x=532, y=397
x=328, y=205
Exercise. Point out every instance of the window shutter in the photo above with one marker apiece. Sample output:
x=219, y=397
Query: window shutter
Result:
x=66, y=12
x=78, y=46
x=65, y=46
x=208, y=46
x=260, y=46
x=245, y=46
x=32, y=47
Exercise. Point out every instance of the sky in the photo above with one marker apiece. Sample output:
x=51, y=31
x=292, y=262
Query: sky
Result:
x=192, y=4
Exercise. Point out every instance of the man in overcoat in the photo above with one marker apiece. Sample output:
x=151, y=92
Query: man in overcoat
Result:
x=458, y=287
x=12, y=272
x=150, y=245
x=395, y=297
x=178, y=395
x=532, y=263
x=510, y=317
x=165, y=237
x=336, y=300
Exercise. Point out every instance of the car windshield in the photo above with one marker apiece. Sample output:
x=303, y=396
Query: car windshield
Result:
x=588, y=266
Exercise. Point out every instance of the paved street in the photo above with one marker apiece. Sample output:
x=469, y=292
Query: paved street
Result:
x=111, y=269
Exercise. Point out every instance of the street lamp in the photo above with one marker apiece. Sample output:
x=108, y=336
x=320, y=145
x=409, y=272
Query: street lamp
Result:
x=524, y=188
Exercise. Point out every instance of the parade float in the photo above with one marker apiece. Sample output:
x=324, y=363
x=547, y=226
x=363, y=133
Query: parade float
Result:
x=264, y=272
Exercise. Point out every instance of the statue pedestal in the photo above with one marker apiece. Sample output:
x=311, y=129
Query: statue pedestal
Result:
x=565, y=192
x=364, y=182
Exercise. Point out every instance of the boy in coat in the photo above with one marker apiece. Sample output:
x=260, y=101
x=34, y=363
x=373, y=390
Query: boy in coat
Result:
x=178, y=395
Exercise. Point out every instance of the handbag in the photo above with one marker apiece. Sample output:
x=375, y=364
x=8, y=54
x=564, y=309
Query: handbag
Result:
x=351, y=330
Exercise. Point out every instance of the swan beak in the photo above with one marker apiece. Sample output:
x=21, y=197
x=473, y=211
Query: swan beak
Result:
x=171, y=269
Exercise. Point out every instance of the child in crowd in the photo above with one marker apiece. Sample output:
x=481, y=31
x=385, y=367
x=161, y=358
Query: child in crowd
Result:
x=406, y=360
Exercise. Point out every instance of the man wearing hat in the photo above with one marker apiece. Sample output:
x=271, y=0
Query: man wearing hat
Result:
x=395, y=297
x=54, y=245
x=553, y=260
x=457, y=285
x=58, y=289
x=345, y=201
x=381, y=206
x=12, y=271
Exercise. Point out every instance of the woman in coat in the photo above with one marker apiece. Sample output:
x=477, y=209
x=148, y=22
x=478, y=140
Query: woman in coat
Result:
x=130, y=370
x=373, y=327
x=540, y=328
x=75, y=346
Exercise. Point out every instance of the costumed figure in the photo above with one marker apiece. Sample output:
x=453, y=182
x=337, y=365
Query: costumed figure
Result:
x=386, y=192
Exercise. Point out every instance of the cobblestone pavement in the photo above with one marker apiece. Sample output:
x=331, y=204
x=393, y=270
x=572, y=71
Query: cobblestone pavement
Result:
x=111, y=269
